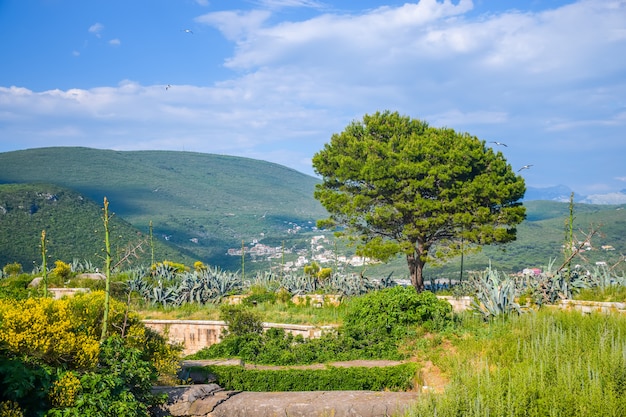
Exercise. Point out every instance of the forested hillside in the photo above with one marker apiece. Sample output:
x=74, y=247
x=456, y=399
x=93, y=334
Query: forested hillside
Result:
x=203, y=204
x=74, y=229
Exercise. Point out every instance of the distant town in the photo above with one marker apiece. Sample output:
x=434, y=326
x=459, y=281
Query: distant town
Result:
x=317, y=252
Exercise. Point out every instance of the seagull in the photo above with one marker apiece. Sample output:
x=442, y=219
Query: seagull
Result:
x=499, y=143
x=167, y=87
x=188, y=31
x=524, y=167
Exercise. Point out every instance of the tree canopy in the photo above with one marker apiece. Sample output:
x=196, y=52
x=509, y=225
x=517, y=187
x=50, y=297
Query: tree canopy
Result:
x=399, y=186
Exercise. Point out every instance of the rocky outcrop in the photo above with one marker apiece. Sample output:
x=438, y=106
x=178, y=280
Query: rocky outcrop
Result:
x=210, y=400
x=191, y=400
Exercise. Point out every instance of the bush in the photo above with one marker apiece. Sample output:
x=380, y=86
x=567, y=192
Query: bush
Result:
x=62, y=270
x=240, y=320
x=12, y=269
x=379, y=319
x=120, y=386
x=392, y=378
x=16, y=287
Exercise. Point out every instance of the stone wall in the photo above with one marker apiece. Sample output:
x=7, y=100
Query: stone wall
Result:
x=197, y=334
x=588, y=307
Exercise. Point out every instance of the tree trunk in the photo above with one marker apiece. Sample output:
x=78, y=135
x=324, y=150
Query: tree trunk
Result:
x=416, y=269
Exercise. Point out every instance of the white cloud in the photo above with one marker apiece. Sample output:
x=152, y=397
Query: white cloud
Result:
x=274, y=4
x=547, y=83
x=96, y=29
x=235, y=25
x=115, y=42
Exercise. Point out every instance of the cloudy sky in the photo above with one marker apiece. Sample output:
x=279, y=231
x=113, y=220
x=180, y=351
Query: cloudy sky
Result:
x=274, y=79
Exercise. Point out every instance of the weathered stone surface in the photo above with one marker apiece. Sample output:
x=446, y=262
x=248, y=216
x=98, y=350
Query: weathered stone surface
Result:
x=210, y=400
x=98, y=276
x=190, y=400
x=35, y=282
x=314, y=404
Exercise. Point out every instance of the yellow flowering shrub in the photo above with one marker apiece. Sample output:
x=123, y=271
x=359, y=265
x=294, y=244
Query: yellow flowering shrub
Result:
x=45, y=329
x=64, y=391
x=175, y=266
x=164, y=356
x=89, y=308
x=61, y=269
x=10, y=409
x=198, y=266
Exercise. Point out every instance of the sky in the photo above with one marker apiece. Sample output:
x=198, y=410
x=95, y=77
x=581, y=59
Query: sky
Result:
x=275, y=79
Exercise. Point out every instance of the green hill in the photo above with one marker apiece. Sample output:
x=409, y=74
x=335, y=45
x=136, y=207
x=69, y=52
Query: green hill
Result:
x=74, y=229
x=202, y=204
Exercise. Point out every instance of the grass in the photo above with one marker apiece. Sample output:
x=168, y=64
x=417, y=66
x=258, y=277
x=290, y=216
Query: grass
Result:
x=272, y=313
x=613, y=293
x=549, y=363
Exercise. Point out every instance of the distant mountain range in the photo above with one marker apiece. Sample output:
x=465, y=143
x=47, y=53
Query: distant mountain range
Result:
x=562, y=193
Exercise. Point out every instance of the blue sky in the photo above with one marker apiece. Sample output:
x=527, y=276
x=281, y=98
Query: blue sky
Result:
x=274, y=79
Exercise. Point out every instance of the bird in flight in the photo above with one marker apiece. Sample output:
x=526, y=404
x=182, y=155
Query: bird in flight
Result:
x=167, y=87
x=188, y=31
x=524, y=167
x=499, y=143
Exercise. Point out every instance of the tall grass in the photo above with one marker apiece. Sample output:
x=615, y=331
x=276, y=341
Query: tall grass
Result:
x=549, y=363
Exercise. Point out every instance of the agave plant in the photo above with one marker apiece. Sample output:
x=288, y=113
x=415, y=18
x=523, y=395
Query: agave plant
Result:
x=266, y=279
x=207, y=286
x=550, y=286
x=495, y=294
x=352, y=284
x=299, y=284
x=166, y=296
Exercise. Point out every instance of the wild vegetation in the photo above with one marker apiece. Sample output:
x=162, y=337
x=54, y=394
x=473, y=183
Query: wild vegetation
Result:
x=512, y=354
x=52, y=360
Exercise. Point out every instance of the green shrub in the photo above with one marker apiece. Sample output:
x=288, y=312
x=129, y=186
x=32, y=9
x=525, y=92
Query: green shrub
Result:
x=381, y=318
x=12, y=269
x=16, y=287
x=392, y=378
x=259, y=295
x=120, y=386
x=240, y=320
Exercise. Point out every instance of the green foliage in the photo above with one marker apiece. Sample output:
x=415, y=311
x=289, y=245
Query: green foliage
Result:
x=72, y=224
x=240, y=320
x=495, y=294
x=14, y=268
x=186, y=195
x=24, y=383
x=549, y=363
x=121, y=385
x=428, y=188
x=16, y=287
x=379, y=317
x=374, y=326
x=259, y=295
x=391, y=378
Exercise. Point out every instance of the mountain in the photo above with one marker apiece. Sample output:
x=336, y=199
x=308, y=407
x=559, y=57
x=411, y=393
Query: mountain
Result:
x=74, y=229
x=202, y=204
x=562, y=194
x=609, y=198
x=559, y=193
